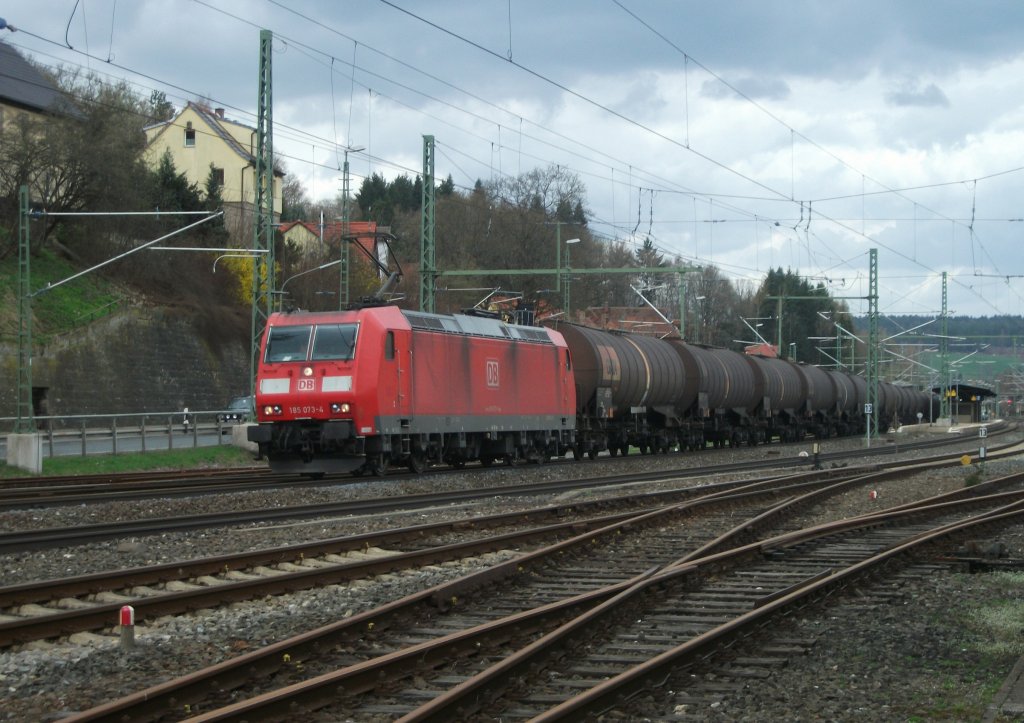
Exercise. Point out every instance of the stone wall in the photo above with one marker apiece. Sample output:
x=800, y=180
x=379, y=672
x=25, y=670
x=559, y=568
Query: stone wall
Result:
x=148, y=359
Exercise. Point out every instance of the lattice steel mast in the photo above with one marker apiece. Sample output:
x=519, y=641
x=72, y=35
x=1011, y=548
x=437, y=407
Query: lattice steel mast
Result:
x=263, y=217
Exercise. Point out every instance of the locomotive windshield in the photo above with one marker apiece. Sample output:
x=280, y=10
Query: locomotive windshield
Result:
x=334, y=341
x=288, y=343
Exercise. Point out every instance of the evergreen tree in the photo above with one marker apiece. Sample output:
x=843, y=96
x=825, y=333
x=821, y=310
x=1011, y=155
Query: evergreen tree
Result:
x=215, y=231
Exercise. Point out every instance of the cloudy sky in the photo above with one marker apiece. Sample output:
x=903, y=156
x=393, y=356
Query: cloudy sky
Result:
x=747, y=134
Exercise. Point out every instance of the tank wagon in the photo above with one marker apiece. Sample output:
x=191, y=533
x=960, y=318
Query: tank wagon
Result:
x=356, y=391
x=660, y=394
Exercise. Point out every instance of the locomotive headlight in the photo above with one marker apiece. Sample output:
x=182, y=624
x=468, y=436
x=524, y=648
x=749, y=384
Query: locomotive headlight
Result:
x=271, y=410
x=342, y=408
x=307, y=371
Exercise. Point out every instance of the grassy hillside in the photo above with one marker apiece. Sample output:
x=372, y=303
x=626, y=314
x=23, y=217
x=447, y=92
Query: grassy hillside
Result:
x=60, y=309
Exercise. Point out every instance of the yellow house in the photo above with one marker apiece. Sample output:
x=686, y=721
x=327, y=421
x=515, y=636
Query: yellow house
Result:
x=199, y=137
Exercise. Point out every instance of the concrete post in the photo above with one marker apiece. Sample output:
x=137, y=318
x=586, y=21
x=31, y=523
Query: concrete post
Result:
x=25, y=451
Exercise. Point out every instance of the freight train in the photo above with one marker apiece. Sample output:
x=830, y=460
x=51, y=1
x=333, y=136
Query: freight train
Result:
x=360, y=390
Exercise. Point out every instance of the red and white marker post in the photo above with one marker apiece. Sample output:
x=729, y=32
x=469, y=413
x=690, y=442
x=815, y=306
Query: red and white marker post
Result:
x=127, y=627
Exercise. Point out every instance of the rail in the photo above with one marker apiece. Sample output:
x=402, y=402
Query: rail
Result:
x=83, y=435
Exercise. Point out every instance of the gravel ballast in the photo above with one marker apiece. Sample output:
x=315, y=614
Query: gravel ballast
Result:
x=924, y=654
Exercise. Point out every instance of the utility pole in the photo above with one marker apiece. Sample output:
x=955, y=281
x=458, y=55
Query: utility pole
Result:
x=428, y=267
x=871, y=371
x=944, y=355
x=343, y=250
x=25, y=421
x=263, y=216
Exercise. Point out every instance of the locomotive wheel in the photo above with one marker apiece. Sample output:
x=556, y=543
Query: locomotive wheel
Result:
x=486, y=460
x=417, y=462
x=377, y=466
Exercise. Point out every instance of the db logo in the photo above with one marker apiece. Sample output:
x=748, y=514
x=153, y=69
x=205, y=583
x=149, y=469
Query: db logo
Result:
x=306, y=385
x=492, y=373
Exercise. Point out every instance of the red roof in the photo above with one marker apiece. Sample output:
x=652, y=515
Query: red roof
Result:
x=333, y=231
x=768, y=350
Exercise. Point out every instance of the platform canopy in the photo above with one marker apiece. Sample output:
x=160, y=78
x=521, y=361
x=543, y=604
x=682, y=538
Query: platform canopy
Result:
x=966, y=392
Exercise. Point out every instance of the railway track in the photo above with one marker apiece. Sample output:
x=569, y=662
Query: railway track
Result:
x=53, y=608
x=88, y=602
x=668, y=623
x=22, y=493
x=528, y=599
x=83, y=534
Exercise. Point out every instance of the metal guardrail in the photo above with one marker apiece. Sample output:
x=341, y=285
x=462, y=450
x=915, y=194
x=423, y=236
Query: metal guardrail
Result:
x=83, y=435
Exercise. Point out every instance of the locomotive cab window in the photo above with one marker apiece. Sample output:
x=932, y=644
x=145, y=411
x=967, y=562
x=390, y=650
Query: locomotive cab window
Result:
x=288, y=343
x=389, y=346
x=334, y=341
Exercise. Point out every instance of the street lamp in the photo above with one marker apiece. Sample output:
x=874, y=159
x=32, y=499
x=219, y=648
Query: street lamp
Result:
x=568, y=271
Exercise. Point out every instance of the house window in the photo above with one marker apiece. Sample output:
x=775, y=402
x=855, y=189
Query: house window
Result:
x=218, y=175
x=190, y=136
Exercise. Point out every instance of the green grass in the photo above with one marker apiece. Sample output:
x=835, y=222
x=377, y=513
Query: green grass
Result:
x=62, y=309
x=199, y=458
x=999, y=623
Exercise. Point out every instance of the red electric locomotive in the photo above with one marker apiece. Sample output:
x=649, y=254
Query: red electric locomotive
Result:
x=355, y=391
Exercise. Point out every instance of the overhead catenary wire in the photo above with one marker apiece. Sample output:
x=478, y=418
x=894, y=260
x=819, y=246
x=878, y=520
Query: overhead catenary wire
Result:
x=520, y=137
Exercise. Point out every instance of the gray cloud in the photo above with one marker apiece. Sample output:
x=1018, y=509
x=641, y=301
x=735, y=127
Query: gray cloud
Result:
x=910, y=94
x=751, y=87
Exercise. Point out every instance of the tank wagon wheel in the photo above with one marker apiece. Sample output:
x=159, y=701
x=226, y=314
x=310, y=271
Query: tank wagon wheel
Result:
x=457, y=462
x=577, y=452
x=624, y=449
x=487, y=460
x=592, y=454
